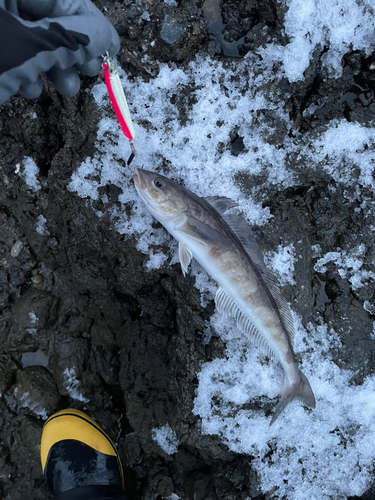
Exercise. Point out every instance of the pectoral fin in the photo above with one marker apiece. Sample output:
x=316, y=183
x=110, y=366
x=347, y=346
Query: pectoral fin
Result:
x=201, y=232
x=185, y=257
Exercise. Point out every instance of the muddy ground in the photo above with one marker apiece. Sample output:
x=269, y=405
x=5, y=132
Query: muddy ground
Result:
x=131, y=336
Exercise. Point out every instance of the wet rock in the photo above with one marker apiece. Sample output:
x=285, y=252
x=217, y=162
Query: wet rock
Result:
x=4, y=288
x=171, y=34
x=34, y=309
x=68, y=359
x=107, y=366
x=16, y=248
x=7, y=372
x=255, y=23
x=132, y=449
x=25, y=447
x=36, y=390
x=171, y=30
x=17, y=276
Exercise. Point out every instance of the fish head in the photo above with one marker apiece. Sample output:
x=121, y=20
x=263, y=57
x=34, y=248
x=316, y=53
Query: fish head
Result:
x=163, y=197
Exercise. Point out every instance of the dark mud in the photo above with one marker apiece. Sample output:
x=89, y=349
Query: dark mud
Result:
x=79, y=293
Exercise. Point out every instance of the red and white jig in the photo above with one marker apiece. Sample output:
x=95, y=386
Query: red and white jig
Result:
x=118, y=101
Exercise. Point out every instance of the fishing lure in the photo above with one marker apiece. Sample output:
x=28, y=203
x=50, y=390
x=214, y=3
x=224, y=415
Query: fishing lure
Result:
x=118, y=101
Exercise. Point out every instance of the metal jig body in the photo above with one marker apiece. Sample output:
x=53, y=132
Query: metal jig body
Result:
x=118, y=101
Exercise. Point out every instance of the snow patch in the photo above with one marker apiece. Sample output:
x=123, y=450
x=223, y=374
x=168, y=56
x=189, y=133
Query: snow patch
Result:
x=313, y=24
x=29, y=173
x=325, y=453
x=166, y=439
x=25, y=402
x=71, y=384
x=282, y=263
x=33, y=318
x=41, y=225
x=348, y=265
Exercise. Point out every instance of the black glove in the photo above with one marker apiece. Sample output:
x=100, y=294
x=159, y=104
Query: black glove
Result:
x=58, y=37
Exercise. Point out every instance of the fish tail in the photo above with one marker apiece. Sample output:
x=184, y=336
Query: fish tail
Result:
x=300, y=389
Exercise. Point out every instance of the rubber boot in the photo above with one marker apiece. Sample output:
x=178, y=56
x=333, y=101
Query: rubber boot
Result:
x=79, y=460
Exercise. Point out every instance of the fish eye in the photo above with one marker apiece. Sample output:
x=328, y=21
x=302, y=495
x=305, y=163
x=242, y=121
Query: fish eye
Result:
x=159, y=183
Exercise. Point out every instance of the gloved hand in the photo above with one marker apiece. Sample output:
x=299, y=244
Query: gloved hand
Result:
x=59, y=37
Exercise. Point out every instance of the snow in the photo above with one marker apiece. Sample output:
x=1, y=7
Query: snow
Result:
x=328, y=452
x=29, y=173
x=312, y=24
x=41, y=225
x=343, y=148
x=348, y=265
x=282, y=263
x=367, y=306
x=25, y=401
x=305, y=454
x=166, y=439
x=71, y=384
x=33, y=318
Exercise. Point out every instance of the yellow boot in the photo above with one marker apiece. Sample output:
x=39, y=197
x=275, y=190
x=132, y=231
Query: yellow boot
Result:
x=79, y=460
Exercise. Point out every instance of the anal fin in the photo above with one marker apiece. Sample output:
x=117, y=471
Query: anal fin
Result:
x=201, y=232
x=226, y=305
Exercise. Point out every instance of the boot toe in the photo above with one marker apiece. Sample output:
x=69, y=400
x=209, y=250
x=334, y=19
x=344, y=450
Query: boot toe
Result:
x=76, y=453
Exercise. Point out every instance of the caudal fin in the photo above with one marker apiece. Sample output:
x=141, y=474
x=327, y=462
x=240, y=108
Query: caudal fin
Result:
x=301, y=389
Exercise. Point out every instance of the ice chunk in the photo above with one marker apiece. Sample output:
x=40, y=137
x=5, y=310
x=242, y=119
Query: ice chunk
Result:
x=367, y=306
x=71, y=385
x=166, y=439
x=41, y=225
x=33, y=318
x=37, y=358
x=348, y=266
x=29, y=173
x=282, y=263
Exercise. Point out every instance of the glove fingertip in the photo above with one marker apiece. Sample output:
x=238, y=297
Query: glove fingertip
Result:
x=115, y=44
x=66, y=81
x=31, y=90
x=91, y=68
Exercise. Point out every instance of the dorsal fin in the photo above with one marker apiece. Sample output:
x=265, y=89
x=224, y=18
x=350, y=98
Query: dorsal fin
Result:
x=227, y=306
x=244, y=233
x=220, y=203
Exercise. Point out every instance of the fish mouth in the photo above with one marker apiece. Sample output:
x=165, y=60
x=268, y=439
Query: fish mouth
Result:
x=138, y=179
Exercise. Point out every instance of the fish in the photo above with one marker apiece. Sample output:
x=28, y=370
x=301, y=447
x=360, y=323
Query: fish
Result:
x=226, y=248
